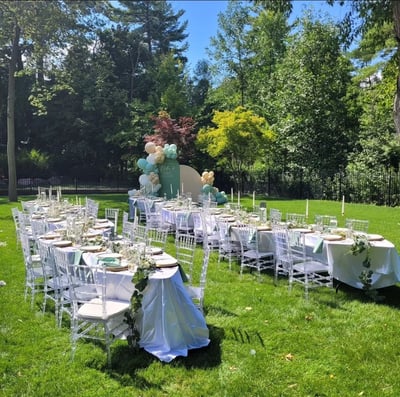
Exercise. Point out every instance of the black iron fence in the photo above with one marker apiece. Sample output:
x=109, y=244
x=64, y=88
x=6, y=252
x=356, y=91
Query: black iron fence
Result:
x=381, y=187
x=29, y=186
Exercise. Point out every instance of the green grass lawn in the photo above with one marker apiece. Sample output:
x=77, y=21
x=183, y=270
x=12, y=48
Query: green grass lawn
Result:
x=265, y=341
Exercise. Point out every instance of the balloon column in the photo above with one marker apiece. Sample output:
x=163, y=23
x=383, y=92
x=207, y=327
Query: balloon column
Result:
x=209, y=191
x=149, y=180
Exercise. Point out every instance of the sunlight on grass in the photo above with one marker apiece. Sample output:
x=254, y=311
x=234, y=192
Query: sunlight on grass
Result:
x=265, y=340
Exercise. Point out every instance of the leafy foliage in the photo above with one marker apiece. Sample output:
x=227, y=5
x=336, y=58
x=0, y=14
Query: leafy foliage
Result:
x=239, y=139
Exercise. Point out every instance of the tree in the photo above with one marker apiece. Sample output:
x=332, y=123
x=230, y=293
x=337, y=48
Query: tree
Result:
x=267, y=40
x=156, y=22
x=238, y=140
x=229, y=48
x=179, y=132
x=310, y=112
x=46, y=25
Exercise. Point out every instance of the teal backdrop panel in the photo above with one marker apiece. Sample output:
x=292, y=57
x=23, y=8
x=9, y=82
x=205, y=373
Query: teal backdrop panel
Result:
x=170, y=178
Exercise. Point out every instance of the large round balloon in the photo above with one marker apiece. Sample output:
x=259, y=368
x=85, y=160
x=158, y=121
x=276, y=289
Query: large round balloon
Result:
x=144, y=179
x=142, y=163
x=150, y=147
x=151, y=158
x=206, y=188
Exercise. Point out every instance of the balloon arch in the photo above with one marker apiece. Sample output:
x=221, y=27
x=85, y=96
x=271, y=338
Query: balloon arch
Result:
x=162, y=176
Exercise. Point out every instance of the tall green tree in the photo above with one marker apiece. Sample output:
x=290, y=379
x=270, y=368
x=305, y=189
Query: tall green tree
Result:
x=229, y=50
x=156, y=22
x=311, y=117
x=47, y=26
x=267, y=40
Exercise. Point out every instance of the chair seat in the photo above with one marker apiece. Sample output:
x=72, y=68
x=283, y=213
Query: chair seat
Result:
x=257, y=254
x=94, y=309
x=310, y=266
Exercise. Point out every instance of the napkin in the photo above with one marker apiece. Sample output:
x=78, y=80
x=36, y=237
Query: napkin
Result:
x=318, y=246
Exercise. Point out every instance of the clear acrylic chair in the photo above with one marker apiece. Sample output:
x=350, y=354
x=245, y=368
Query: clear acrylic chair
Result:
x=157, y=238
x=140, y=234
x=17, y=224
x=185, y=246
x=197, y=289
x=275, y=215
x=326, y=221
x=250, y=254
x=91, y=208
x=153, y=214
x=94, y=316
x=34, y=279
x=128, y=231
x=198, y=226
x=296, y=220
x=184, y=223
x=112, y=215
x=292, y=259
x=357, y=225
x=50, y=286
x=229, y=248
x=62, y=260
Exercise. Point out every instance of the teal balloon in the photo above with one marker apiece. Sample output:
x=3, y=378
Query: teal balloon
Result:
x=149, y=168
x=206, y=188
x=141, y=163
x=221, y=199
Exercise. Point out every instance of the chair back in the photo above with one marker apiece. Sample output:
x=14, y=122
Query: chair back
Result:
x=357, y=225
x=112, y=215
x=91, y=208
x=185, y=246
x=157, y=237
x=297, y=220
x=275, y=215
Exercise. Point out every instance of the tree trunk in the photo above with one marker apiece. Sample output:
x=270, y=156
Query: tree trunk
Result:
x=11, y=161
x=396, y=106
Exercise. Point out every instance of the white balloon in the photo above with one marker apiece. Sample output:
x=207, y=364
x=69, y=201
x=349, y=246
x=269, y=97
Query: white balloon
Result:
x=143, y=179
x=151, y=158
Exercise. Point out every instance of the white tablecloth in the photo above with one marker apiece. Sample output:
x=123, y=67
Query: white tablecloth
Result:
x=385, y=262
x=169, y=323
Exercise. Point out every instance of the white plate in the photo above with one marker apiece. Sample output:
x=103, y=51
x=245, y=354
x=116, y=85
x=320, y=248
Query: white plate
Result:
x=375, y=237
x=301, y=230
x=100, y=226
x=49, y=236
x=264, y=228
x=102, y=220
x=154, y=250
x=54, y=220
x=91, y=248
x=62, y=243
x=109, y=255
x=90, y=235
x=332, y=237
x=166, y=262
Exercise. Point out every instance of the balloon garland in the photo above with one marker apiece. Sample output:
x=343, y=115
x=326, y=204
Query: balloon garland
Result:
x=149, y=180
x=209, y=191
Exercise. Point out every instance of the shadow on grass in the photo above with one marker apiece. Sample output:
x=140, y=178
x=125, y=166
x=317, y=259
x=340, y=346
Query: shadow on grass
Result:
x=389, y=296
x=126, y=362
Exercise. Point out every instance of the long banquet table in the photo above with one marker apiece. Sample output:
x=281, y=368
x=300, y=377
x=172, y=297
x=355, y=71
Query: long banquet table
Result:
x=345, y=267
x=385, y=261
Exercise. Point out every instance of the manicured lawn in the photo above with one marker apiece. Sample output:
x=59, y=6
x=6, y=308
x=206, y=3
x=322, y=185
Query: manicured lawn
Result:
x=265, y=341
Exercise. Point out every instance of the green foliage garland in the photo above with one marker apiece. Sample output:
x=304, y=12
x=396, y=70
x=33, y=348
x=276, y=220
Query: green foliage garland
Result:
x=140, y=279
x=360, y=245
